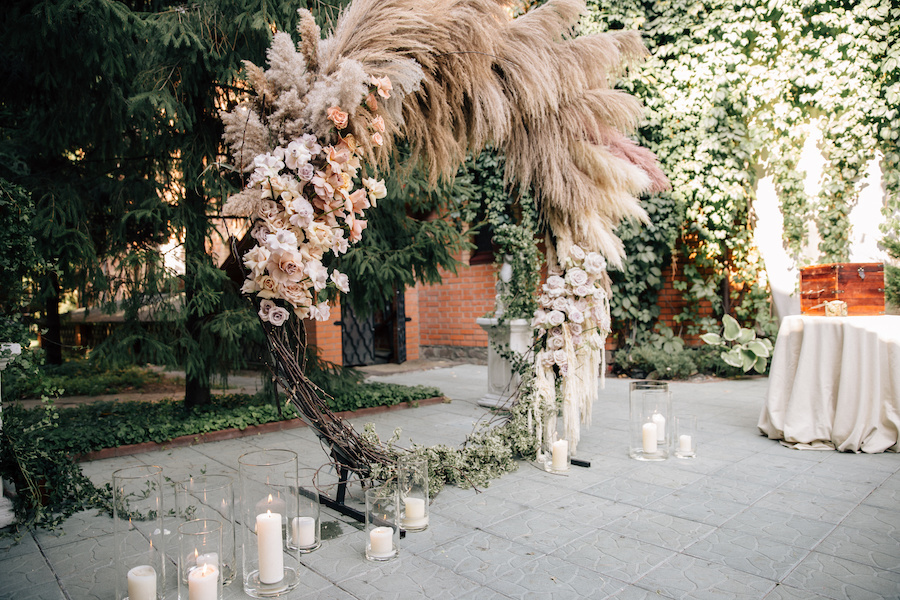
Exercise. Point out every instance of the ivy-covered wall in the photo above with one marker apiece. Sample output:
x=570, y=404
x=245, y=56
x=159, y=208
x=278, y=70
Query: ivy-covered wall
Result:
x=730, y=88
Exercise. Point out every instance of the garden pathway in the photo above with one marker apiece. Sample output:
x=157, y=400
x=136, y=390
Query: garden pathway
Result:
x=748, y=518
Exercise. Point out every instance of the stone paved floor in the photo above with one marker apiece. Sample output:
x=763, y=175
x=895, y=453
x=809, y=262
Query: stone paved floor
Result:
x=748, y=518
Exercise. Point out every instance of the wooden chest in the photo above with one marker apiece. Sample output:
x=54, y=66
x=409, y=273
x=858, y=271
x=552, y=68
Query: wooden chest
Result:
x=860, y=285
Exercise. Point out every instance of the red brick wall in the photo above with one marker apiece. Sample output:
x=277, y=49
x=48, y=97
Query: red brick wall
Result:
x=447, y=312
x=671, y=302
x=326, y=336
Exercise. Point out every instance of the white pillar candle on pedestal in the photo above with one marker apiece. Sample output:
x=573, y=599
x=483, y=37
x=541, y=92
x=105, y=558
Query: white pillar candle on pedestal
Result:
x=414, y=512
x=304, y=531
x=142, y=583
x=381, y=541
x=660, y=422
x=203, y=583
x=649, y=438
x=684, y=443
x=269, y=547
x=559, y=451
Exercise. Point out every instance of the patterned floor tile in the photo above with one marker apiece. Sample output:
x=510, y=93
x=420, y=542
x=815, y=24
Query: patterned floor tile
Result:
x=695, y=579
x=551, y=577
x=409, y=578
x=660, y=529
x=481, y=556
x=748, y=553
x=867, y=546
x=839, y=578
x=694, y=506
x=623, y=558
x=778, y=526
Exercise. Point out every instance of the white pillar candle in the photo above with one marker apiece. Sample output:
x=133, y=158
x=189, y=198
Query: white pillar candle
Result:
x=203, y=583
x=649, y=438
x=660, y=422
x=414, y=512
x=684, y=443
x=142, y=583
x=303, y=530
x=269, y=545
x=381, y=541
x=559, y=455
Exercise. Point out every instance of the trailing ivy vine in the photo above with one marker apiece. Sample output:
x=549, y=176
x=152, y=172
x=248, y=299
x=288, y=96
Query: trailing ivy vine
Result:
x=731, y=90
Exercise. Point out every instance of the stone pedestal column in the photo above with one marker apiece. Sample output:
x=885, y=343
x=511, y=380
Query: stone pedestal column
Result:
x=503, y=384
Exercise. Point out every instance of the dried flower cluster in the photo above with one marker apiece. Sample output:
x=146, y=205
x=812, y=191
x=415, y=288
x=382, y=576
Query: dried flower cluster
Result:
x=305, y=206
x=574, y=309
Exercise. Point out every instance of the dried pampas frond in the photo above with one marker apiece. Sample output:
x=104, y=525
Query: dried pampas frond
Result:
x=465, y=74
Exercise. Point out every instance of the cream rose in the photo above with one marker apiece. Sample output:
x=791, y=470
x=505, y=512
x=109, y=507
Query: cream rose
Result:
x=555, y=317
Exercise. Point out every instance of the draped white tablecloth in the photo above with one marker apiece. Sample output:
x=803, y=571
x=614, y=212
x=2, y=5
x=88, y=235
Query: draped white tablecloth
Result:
x=834, y=382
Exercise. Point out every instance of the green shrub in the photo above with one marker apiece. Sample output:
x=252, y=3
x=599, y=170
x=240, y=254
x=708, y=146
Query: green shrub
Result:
x=647, y=361
x=29, y=377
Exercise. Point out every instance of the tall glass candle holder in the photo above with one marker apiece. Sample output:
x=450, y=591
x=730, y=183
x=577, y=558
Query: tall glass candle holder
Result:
x=557, y=450
x=138, y=533
x=306, y=527
x=412, y=477
x=382, y=518
x=650, y=420
x=211, y=497
x=269, y=483
x=199, y=560
x=685, y=436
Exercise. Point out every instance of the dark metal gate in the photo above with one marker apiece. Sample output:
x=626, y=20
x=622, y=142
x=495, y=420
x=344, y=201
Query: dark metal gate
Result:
x=357, y=338
x=380, y=338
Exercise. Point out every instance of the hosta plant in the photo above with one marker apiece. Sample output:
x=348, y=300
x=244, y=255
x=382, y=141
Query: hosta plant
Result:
x=740, y=346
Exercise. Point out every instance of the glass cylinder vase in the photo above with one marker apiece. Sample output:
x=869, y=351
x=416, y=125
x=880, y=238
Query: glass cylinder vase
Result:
x=412, y=477
x=650, y=420
x=556, y=449
x=306, y=527
x=138, y=533
x=211, y=497
x=269, y=482
x=382, y=518
x=200, y=560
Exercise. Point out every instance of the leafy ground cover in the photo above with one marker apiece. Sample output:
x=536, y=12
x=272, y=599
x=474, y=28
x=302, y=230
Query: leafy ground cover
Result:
x=81, y=429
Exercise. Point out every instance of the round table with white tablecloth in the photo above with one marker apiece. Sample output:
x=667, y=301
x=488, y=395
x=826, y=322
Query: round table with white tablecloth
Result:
x=835, y=383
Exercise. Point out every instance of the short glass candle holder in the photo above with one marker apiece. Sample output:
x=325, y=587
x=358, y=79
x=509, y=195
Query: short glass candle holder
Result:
x=306, y=527
x=557, y=456
x=650, y=419
x=686, y=437
x=211, y=497
x=138, y=533
x=269, y=504
x=199, y=560
x=382, y=518
x=412, y=477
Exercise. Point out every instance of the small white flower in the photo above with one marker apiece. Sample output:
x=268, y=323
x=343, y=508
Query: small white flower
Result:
x=296, y=155
x=376, y=188
x=341, y=281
